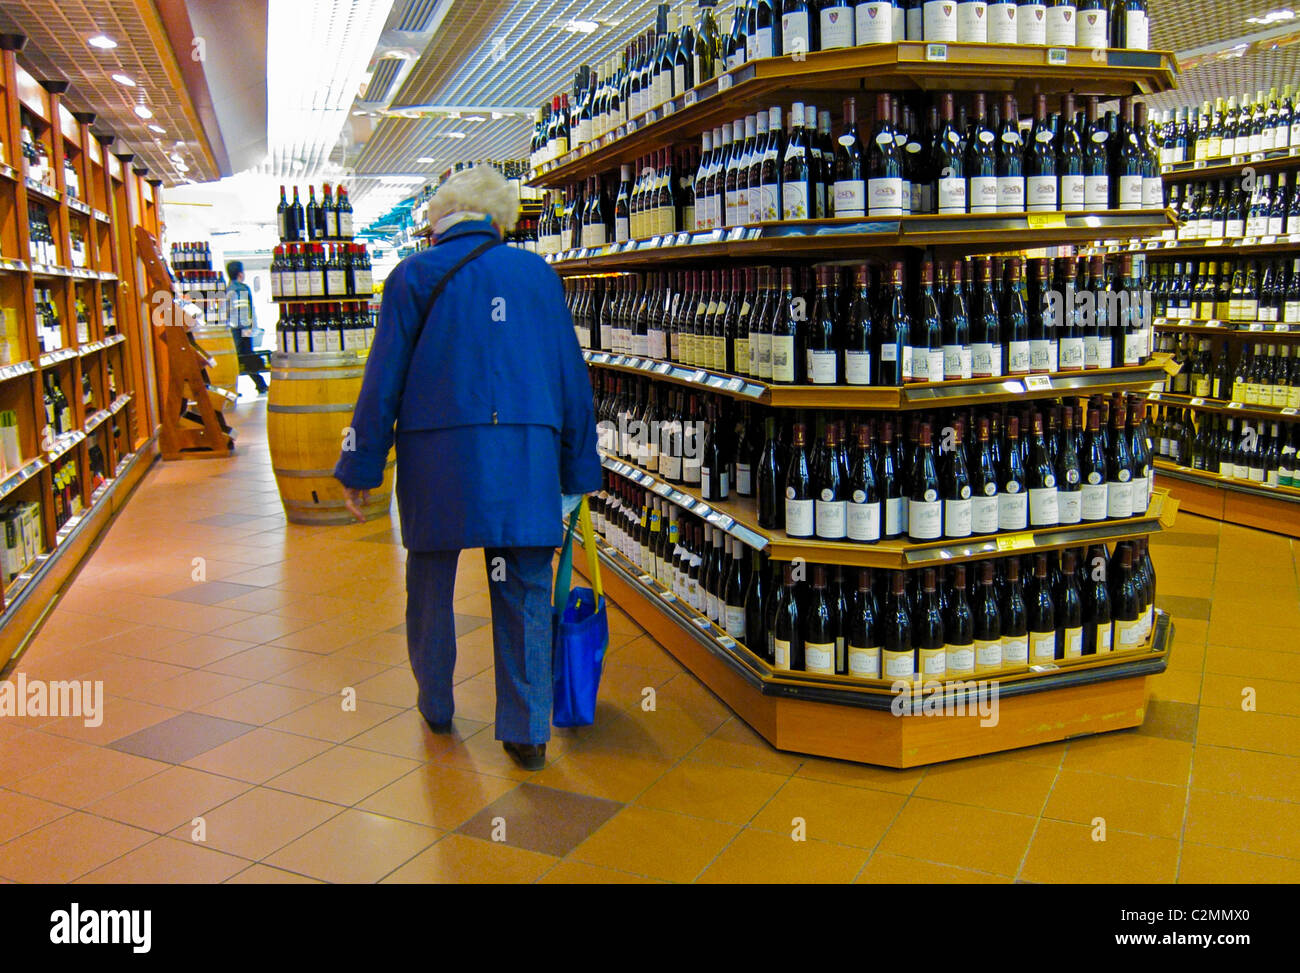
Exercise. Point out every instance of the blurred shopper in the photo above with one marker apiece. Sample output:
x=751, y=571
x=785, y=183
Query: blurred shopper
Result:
x=476, y=364
x=242, y=321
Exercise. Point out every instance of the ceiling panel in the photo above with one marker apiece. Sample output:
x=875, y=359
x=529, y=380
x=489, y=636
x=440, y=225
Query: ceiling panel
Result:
x=57, y=50
x=1221, y=77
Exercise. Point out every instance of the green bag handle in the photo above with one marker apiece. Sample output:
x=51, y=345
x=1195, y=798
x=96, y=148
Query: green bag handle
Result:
x=564, y=571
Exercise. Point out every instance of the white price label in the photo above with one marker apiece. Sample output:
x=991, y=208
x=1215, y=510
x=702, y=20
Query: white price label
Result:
x=1290, y=410
x=735, y=385
x=1056, y=56
x=936, y=52
x=1234, y=405
x=1153, y=396
x=1196, y=401
x=699, y=376
x=1038, y=383
x=724, y=82
x=690, y=98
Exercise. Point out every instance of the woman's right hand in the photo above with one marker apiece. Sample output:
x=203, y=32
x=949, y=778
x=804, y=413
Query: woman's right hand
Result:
x=355, y=501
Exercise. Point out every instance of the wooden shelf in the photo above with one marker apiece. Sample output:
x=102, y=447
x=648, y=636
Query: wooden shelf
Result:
x=1232, y=330
x=928, y=396
x=846, y=238
x=1230, y=167
x=1233, y=501
x=354, y=299
x=854, y=719
x=20, y=476
x=1177, y=249
x=1200, y=404
x=738, y=517
x=903, y=66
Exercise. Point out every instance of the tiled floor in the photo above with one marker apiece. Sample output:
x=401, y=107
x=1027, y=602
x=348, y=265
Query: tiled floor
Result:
x=225, y=640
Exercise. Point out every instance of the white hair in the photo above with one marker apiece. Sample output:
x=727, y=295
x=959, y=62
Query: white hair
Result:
x=481, y=189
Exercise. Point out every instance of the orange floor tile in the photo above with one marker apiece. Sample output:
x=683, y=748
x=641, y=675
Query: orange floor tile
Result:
x=224, y=638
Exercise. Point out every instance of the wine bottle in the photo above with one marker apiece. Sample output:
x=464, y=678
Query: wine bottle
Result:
x=957, y=494
x=987, y=623
x=1015, y=619
x=799, y=495
x=850, y=191
x=884, y=165
x=863, y=508
x=1042, y=617
x=893, y=361
x=1013, y=501
x=787, y=632
x=819, y=627
x=925, y=505
x=863, y=632
x=1068, y=600
x=897, y=657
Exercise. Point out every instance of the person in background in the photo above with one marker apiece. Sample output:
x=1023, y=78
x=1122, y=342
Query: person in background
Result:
x=496, y=439
x=242, y=321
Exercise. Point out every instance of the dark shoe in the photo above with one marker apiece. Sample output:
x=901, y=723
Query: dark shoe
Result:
x=443, y=728
x=530, y=756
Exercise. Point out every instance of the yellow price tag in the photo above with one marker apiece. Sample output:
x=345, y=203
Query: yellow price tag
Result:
x=1043, y=221
x=1015, y=542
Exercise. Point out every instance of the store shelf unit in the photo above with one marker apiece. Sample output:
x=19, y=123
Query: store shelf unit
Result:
x=842, y=716
x=869, y=721
x=1275, y=509
x=88, y=198
x=1230, y=331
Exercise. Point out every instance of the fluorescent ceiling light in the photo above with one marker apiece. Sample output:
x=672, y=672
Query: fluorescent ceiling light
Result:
x=103, y=42
x=425, y=160
x=452, y=135
x=158, y=128
x=123, y=79
x=182, y=167
x=581, y=26
x=475, y=118
x=1272, y=17
x=143, y=111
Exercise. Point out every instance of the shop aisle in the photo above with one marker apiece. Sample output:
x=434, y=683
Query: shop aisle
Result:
x=225, y=638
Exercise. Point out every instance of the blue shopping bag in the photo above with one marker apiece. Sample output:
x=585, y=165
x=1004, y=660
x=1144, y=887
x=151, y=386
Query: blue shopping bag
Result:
x=580, y=630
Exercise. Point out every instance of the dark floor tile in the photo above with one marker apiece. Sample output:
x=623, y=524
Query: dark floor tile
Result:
x=182, y=737
x=211, y=592
x=543, y=819
x=1170, y=720
x=1185, y=539
x=1181, y=606
x=464, y=625
x=226, y=520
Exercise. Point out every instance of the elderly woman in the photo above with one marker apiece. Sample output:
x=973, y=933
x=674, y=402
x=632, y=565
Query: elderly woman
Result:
x=476, y=365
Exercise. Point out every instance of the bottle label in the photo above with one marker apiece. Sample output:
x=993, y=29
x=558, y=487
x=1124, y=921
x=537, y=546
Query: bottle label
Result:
x=897, y=665
x=1061, y=27
x=1002, y=23
x=783, y=359
x=982, y=360
x=920, y=359
x=1015, y=650
x=952, y=194
x=984, y=513
x=972, y=22
x=794, y=200
x=988, y=655
x=1043, y=508
x=1119, y=502
x=1094, y=29
x=302, y=283
x=795, y=35
x=1134, y=345
x=822, y=367
x=934, y=662
x=819, y=657
x=960, y=659
x=1073, y=642
x=863, y=521
x=894, y=516
x=837, y=28
x=1072, y=354
x=799, y=517
x=782, y=654
x=1137, y=25
x=1153, y=193
x=1019, y=358
x=957, y=518
x=1070, y=505
x=1032, y=26
x=864, y=663
x=850, y=194
x=337, y=282
x=1104, y=643
x=1013, y=509
x=885, y=196
x=1139, y=495
x=925, y=518
x=857, y=367
x=940, y=20
x=983, y=195
x=832, y=519
x=1042, y=194
x=1130, y=192
x=1128, y=634
x=953, y=362
x=1011, y=194
x=1042, y=646
x=874, y=22
x=1072, y=197
x=1096, y=192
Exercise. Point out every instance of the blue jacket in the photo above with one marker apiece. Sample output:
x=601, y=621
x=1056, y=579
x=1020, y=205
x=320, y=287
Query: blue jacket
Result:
x=492, y=406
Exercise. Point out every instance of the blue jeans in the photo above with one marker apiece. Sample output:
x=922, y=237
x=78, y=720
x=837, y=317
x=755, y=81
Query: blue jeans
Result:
x=520, y=587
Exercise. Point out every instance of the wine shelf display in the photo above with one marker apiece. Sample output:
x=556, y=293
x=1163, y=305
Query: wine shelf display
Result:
x=846, y=238
x=907, y=65
x=75, y=357
x=1232, y=500
x=1149, y=376
x=838, y=715
x=858, y=719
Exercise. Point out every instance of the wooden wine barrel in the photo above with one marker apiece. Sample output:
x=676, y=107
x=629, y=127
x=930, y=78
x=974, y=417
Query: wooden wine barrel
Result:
x=219, y=344
x=308, y=408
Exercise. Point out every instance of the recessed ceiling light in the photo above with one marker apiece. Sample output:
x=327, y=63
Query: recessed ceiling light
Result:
x=158, y=128
x=581, y=26
x=182, y=167
x=452, y=135
x=425, y=160
x=143, y=111
x=123, y=79
x=475, y=118
x=103, y=42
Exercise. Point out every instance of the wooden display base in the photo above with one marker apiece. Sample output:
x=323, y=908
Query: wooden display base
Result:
x=1202, y=494
x=877, y=736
